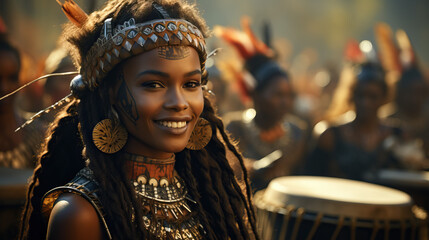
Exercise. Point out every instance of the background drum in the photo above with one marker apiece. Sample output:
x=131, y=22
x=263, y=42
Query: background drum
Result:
x=415, y=183
x=13, y=187
x=330, y=208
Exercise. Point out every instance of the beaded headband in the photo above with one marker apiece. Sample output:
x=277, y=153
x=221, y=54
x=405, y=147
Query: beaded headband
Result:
x=131, y=39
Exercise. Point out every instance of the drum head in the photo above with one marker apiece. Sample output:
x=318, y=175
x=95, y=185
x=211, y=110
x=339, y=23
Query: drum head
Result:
x=334, y=196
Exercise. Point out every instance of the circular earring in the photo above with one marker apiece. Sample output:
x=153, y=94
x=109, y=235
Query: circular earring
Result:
x=200, y=136
x=109, y=136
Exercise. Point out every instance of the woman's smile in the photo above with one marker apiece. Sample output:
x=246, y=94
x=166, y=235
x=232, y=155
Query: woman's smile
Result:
x=174, y=125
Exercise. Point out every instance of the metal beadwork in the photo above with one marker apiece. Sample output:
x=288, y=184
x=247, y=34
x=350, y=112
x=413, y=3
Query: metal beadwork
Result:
x=169, y=205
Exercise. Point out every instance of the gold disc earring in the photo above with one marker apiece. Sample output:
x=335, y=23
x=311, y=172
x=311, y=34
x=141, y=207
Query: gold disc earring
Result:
x=109, y=137
x=200, y=136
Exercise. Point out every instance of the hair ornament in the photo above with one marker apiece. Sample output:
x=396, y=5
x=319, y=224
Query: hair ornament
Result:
x=161, y=10
x=77, y=86
x=66, y=99
x=73, y=12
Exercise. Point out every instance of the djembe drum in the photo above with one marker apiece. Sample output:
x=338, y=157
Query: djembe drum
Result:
x=302, y=207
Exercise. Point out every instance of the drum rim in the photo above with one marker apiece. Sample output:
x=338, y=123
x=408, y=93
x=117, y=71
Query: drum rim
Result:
x=336, y=207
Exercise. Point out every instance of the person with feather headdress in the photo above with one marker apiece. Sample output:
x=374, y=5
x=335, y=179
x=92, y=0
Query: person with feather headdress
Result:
x=270, y=137
x=357, y=143
x=410, y=96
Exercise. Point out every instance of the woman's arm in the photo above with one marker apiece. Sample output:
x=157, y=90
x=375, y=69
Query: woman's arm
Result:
x=73, y=217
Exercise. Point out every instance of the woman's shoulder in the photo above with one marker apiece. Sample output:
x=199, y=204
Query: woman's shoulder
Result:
x=73, y=205
x=73, y=217
x=83, y=184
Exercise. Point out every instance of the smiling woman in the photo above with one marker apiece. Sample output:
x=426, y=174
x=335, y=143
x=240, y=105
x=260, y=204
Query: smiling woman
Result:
x=138, y=152
x=166, y=83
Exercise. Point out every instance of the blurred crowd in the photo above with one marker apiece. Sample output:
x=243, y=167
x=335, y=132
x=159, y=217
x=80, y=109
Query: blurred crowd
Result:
x=365, y=119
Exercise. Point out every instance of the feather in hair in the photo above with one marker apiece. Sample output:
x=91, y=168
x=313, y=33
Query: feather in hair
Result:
x=73, y=12
x=352, y=52
x=407, y=54
x=245, y=42
x=259, y=46
x=237, y=39
x=388, y=51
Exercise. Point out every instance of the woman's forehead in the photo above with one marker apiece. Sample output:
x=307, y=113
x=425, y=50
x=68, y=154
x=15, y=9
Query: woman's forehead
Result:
x=177, y=58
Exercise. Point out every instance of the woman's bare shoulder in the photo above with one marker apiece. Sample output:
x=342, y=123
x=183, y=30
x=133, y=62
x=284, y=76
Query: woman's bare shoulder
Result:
x=73, y=217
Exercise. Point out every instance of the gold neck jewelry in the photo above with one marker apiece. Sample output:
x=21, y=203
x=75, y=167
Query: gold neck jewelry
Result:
x=145, y=169
x=167, y=211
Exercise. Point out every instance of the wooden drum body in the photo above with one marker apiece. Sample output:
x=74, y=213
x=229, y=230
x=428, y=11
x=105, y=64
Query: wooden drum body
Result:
x=330, y=208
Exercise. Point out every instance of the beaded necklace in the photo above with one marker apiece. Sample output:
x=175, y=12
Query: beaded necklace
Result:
x=167, y=211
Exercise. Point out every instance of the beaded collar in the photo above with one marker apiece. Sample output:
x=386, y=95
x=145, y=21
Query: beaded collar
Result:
x=167, y=208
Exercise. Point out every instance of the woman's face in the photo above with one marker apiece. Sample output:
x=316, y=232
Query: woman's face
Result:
x=159, y=99
x=368, y=98
x=275, y=100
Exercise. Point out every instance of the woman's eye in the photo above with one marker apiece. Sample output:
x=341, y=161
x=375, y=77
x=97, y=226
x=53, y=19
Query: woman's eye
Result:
x=152, y=85
x=192, y=84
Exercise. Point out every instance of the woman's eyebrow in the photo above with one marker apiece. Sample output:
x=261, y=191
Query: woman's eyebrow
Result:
x=192, y=73
x=152, y=72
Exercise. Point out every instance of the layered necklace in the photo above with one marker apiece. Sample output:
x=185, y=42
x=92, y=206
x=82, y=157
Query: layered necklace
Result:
x=167, y=211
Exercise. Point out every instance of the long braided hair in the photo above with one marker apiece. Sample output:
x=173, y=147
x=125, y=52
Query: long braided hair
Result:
x=224, y=209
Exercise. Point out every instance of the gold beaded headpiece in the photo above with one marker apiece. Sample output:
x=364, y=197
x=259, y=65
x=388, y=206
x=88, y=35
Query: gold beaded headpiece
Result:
x=130, y=39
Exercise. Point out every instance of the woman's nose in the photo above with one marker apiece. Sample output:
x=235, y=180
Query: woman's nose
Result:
x=176, y=100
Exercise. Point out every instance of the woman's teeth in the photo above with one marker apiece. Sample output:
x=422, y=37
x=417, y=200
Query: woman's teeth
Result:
x=173, y=124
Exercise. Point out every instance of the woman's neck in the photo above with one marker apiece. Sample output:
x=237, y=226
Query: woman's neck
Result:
x=136, y=165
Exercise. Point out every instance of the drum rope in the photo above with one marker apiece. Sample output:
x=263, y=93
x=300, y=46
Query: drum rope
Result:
x=285, y=225
x=299, y=214
x=413, y=229
x=315, y=226
x=271, y=220
x=375, y=230
x=338, y=229
x=387, y=230
x=264, y=222
x=403, y=227
x=353, y=229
